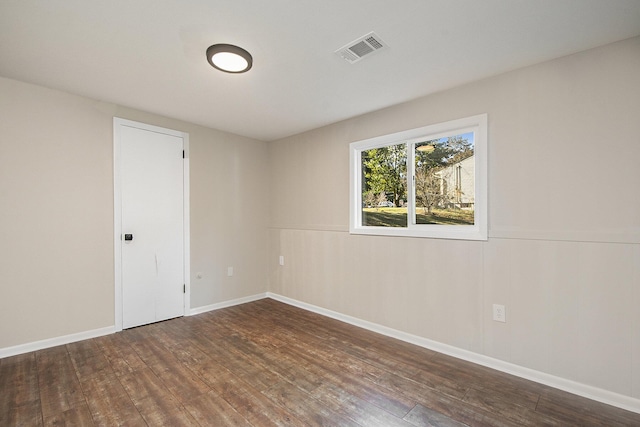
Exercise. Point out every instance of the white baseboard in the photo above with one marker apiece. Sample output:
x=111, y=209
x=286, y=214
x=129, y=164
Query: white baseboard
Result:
x=226, y=304
x=615, y=399
x=66, y=339
x=53, y=342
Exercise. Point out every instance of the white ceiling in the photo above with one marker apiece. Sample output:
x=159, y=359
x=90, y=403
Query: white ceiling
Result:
x=150, y=54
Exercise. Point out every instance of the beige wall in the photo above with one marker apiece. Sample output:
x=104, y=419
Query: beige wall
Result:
x=563, y=252
x=56, y=213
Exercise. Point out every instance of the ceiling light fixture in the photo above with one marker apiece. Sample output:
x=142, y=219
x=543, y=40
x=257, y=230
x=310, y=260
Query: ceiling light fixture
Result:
x=426, y=148
x=229, y=58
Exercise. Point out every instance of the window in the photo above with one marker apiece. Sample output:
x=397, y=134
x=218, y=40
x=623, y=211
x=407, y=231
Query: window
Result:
x=425, y=182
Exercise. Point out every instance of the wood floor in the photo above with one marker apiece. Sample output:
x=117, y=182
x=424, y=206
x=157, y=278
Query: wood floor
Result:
x=269, y=364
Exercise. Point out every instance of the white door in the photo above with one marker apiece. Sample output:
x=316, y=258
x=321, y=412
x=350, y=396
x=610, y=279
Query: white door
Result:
x=152, y=224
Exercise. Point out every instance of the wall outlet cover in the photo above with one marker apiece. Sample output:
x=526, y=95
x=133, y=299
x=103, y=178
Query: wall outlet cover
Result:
x=499, y=313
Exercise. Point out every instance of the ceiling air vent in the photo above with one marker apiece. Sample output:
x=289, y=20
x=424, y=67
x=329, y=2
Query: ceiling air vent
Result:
x=358, y=49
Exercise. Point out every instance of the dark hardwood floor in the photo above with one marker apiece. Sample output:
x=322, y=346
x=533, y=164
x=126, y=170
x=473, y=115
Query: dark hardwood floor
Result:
x=266, y=363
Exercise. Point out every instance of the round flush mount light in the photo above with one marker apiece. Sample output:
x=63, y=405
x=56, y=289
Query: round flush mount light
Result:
x=229, y=58
x=426, y=148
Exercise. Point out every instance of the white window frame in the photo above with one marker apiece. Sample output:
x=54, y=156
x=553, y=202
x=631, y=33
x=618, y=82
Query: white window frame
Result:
x=478, y=231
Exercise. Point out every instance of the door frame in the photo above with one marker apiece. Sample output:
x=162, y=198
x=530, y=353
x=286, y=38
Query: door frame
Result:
x=117, y=212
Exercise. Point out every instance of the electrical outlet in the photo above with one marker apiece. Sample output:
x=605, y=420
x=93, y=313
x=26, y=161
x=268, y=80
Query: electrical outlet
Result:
x=229, y=271
x=281, y=260
x=499, y=313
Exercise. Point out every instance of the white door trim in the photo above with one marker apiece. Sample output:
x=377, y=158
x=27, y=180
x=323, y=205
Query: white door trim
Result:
x=117, y=213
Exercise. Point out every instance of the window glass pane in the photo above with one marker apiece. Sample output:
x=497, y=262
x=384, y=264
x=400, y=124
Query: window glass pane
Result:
x=384, y=186
x=445, y=180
